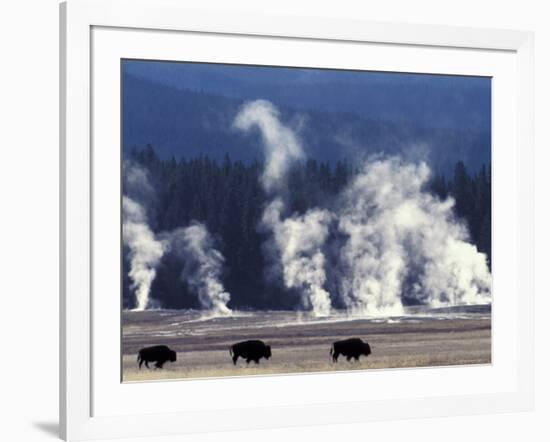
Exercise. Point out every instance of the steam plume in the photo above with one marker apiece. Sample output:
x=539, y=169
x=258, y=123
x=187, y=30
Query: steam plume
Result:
x=296, y=241
x=203, y=266
x=145, y=251
x=403, y=242
x=136, y=183
x=299, y=241
x=280, y=143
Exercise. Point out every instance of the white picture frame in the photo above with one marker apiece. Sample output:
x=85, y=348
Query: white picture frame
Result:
x=81, y=382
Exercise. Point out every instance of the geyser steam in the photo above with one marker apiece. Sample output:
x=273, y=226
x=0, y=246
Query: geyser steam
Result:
x=280, y=143
x=297, y=241
x=390, y=242
x=202, y=263
x=404, y=242
x=145, y=250
x=203, y=266
x=394, y=241
x=300, y=241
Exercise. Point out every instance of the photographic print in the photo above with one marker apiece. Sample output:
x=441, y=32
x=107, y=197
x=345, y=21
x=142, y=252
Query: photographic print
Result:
x=286, y=220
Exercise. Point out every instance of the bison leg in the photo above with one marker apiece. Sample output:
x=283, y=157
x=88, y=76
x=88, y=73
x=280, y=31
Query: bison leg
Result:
x=248, y=360
x=147, y=364
x=348, y=358
x=257, y=360
x=159, y=364
x=356, y=358
x=140, y=363
x=335, y=357
x=235, y=357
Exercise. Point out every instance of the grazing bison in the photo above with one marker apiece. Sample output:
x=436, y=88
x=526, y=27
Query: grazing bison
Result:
x=158, y=353
x=350, y=348
x=250, y=350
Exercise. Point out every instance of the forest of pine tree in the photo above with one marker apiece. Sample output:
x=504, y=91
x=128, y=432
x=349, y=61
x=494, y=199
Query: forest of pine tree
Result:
x=227, y=197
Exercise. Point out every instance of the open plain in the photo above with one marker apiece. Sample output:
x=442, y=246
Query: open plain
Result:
x=301, y=344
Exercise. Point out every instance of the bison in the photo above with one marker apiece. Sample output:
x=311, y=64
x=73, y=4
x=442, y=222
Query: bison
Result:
x=350, y=348
x=158, y=353
x=250, y=350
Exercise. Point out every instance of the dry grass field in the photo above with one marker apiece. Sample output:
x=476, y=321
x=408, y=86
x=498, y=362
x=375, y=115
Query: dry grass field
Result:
x=301, y=344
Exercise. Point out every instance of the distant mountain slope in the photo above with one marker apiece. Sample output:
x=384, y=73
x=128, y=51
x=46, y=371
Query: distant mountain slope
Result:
x=441, y=101
x=180, y=122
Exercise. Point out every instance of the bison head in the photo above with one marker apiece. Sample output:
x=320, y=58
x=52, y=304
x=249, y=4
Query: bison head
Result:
x=267, y=353
x=172, y=356
x=366, y=349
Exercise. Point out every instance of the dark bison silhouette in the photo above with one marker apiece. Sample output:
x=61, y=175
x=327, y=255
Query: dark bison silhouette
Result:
x=158, y=353
x=250, y=350
x=350, y=348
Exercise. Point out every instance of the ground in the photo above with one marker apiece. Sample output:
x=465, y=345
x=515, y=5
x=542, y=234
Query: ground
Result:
x=301, y=344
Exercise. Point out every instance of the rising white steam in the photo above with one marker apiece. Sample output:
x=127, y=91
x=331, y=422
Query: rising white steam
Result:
x=145, y=250
x=404, y=242
x=399, y=241
x=202, y=262
x=136, y=182
x=203, y=265
x=299, y=241
x=280, y=143
x=296, y=241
